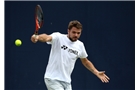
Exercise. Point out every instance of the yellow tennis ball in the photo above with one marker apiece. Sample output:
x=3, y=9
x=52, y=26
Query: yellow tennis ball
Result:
x=18, y=42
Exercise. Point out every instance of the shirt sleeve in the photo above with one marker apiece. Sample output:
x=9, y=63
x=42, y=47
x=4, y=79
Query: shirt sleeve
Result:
x=83, y=53
x=54, y=37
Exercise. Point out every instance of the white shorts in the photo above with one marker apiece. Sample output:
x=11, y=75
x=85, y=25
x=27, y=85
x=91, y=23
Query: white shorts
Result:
x=57, y=85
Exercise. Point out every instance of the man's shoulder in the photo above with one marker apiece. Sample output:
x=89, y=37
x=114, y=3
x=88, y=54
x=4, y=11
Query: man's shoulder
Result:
x=80, y=42
x=58, y=33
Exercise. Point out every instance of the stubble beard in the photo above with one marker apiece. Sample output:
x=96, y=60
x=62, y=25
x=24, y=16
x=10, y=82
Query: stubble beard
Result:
x=72, y=39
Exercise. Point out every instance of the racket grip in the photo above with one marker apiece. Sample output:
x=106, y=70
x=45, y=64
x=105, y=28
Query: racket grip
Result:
x=36, y=32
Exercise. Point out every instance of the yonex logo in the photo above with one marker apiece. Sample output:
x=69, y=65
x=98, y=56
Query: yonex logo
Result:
x=64, y=47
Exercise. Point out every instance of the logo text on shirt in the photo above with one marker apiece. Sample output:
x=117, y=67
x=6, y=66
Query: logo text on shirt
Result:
x=64, y=47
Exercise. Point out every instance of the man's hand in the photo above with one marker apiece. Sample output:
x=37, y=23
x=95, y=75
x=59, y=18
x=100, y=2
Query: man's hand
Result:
x=34, y=38
x=102, y=76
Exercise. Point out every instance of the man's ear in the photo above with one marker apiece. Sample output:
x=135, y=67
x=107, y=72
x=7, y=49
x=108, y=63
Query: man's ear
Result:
x=68, y=30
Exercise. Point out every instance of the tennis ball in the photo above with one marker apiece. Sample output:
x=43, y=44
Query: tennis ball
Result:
x=18, y=42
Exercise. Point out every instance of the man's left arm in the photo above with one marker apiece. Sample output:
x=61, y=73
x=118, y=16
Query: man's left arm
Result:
x=100, y=74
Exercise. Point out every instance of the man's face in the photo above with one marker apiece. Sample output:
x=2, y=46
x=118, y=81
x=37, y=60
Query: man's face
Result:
x=74, y=34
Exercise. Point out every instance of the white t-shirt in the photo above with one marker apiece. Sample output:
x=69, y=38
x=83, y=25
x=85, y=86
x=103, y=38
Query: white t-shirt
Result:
x=63, y=56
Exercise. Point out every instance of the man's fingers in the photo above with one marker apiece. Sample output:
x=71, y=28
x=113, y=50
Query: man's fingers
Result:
x=101, y=72
x=107, y=77
x=35, y=38
x=104, y=80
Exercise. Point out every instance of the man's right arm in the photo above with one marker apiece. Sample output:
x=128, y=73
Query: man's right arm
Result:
x=41, y=38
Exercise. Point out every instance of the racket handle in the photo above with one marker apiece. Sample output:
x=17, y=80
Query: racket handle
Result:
x=36, y=32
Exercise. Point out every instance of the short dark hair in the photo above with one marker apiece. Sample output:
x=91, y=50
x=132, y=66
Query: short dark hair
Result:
x=76, y=24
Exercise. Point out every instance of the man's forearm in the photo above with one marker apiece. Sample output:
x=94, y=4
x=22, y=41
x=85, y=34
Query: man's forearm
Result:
x=44, y=38
x=90, y=67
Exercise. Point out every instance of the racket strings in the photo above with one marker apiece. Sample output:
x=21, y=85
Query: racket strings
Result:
x=38, y=18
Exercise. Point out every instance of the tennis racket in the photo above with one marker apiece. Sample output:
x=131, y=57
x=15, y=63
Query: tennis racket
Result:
x=39, y=19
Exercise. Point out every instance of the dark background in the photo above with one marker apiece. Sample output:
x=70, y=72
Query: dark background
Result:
x=108, y=34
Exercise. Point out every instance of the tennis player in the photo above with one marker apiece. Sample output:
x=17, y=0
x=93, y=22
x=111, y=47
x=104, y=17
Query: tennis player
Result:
x=65, y=50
